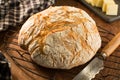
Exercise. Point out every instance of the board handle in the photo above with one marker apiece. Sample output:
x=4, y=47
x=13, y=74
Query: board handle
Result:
x=112, y=45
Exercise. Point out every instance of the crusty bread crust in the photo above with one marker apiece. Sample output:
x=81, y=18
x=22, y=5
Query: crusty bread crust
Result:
x=60, y=37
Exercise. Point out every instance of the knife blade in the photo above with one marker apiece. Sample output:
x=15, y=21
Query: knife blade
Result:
x=97, y=64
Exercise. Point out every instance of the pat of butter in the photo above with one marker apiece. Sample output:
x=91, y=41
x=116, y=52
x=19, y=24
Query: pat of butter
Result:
x=89, y=1
x=111, y=9
x=105, y=2
x=99, y=3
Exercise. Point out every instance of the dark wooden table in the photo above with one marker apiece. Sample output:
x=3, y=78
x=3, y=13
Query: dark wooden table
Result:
x=23, y=68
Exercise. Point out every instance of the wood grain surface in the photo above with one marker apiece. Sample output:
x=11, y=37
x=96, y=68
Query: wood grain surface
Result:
x=23, y=68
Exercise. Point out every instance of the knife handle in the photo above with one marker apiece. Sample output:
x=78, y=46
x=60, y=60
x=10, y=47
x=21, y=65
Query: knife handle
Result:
x=112, y=45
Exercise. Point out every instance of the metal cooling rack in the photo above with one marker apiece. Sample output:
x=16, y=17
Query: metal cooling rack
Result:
x=110, y=72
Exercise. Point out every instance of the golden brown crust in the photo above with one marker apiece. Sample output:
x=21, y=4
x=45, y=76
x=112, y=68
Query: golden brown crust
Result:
x=60, y=37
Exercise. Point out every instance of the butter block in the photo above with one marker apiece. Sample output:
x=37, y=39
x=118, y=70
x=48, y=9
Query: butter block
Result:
x=105, y=3
x=89, y=1
x=99, y=3
x=112, y=9
x=93, y=3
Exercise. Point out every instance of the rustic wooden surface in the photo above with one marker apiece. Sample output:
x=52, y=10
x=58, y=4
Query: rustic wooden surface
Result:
x=21, y=64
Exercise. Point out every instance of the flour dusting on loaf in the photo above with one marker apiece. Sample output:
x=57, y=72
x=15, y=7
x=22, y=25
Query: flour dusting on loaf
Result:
x=60, y=37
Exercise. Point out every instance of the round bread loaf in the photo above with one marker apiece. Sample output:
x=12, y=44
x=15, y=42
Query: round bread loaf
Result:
x=60, y=37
